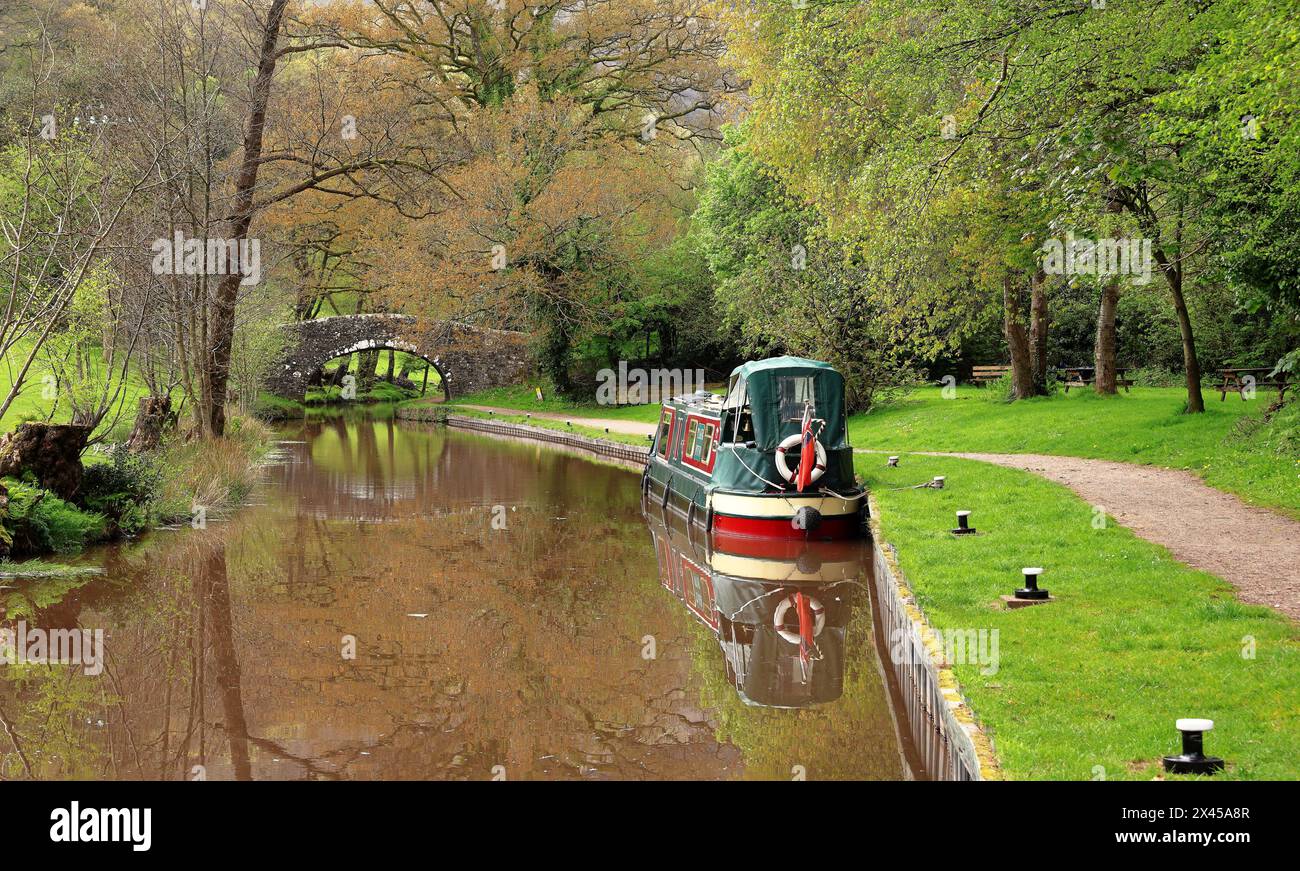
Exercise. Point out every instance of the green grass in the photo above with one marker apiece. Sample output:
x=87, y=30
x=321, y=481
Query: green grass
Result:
x=544, y=423
x=1225, y=446
x=1134, y=640
x=522, y=397
x=31, y=405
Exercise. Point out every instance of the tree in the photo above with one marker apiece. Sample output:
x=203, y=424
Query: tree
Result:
x=783, y=287
x=871, y=109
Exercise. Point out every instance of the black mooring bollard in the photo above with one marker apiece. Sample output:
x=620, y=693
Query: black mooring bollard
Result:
x=1193, y=759
x=1030, y=589
x=893, y=461
x=937, y=483
x=963, y=524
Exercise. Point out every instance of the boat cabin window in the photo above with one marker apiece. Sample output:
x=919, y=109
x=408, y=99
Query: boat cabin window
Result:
x=665, y=427
x=793, y=391
x=699, y=441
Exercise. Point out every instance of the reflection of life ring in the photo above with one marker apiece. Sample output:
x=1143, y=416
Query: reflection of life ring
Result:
x=778, y=618
x=784, y=468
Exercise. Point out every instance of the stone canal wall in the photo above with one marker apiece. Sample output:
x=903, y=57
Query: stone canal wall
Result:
x=630, y=455
x=941, y=724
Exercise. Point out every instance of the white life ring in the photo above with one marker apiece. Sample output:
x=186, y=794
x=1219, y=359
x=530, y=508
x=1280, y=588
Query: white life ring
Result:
x=778, y=618
x=791, y=441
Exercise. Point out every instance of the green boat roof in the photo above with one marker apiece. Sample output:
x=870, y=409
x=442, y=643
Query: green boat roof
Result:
x=771, y=363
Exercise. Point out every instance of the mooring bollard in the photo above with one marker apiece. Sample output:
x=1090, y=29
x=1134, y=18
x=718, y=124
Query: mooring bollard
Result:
x=937, y=483
x=893, y=461
x=1193, y=759
x=963, y=524
x=1030, y=589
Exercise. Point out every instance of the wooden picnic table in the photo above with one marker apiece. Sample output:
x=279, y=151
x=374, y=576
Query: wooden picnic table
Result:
x=1248, y=378
x=1082, y=376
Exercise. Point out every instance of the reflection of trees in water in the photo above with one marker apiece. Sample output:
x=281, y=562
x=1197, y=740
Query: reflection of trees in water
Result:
x=144, y=716
x=224, y=646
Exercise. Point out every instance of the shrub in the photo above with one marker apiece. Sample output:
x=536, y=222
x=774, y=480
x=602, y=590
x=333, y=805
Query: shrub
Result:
x=122, y=489
x=37, y=521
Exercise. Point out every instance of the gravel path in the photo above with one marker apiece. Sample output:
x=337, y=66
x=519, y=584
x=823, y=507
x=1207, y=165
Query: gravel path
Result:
x=1254, y=549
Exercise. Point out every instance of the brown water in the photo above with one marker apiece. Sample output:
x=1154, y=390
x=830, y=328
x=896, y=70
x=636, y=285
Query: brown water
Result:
x=407, y=602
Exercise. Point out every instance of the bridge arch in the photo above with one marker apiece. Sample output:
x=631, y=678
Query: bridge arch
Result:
x=468, y=358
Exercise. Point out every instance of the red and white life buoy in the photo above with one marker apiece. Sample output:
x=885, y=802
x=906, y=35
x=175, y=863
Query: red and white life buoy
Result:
x=791, y=441
x=778, y=617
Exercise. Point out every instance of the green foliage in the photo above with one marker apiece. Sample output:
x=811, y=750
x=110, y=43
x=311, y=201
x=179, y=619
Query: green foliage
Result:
x=37, y=521
x=785, y=287
x=122, y=489
x=944, y=140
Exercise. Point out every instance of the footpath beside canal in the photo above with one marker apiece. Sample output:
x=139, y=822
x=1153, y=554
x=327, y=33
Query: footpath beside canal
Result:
x=631, y=455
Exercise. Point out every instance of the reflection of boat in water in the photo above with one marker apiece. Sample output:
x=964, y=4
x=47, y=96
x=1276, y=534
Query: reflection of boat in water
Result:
x=779, y=608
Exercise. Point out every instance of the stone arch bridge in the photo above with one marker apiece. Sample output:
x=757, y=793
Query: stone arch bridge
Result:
x=468, y=358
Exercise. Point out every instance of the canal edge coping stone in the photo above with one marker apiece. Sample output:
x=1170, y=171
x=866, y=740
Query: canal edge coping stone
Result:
x=955, y=709
x=629, y=454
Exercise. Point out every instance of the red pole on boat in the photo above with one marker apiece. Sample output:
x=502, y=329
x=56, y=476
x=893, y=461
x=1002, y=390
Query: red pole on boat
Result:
x=807, y=452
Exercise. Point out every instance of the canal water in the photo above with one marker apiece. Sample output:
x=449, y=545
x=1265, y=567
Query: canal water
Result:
x=403, y=601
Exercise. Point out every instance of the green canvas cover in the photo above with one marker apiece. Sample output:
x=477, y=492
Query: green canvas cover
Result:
x=775, y=389
x=778, y=385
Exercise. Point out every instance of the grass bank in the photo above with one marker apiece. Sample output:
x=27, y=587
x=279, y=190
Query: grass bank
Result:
x=1089, y=686
x=123, y=495
x=540, y=422
x=1229, y=446
x=523, y=398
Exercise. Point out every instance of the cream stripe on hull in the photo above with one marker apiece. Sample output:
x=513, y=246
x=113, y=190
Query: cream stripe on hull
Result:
x=753, y=568
x=782, y=506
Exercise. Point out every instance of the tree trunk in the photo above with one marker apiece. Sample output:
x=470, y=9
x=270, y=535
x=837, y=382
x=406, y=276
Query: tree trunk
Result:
x=367, y=363
x=392, y=364
x=1038, y=322
x=216, y=372
x=52, y=452
x=1191, y=365
x=1022, y=378
x=1104, y=354
x=150, y=420
x=1104, y=350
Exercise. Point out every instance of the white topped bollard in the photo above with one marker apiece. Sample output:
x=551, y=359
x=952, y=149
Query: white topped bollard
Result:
x=963, y=524
x=1193, y=759
x=1030, y=589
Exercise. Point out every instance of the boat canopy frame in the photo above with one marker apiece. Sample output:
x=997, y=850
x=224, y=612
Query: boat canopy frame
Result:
x=775, y=390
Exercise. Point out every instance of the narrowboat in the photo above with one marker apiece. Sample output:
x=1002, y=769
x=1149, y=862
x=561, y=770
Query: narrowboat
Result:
x=780, y=616
x=771, y=458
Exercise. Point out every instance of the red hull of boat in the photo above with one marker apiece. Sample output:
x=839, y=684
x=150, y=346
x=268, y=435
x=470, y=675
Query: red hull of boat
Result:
x=831, y=528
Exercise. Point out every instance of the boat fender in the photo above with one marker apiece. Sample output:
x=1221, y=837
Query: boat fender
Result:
x=778, y=618
x=806, y=518
x=784, y=468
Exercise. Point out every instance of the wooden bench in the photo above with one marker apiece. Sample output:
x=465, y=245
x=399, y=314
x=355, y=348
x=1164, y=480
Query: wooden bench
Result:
x=987, y=374
x=1242, y=380
x=1082, y=376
